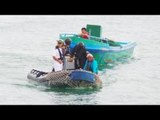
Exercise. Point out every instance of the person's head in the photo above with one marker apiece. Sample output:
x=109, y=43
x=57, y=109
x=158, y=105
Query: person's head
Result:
x=60, y=43
x=68, y=41
x=80, y=44
x=63, y=46
x=83, y=30
x=90, y=57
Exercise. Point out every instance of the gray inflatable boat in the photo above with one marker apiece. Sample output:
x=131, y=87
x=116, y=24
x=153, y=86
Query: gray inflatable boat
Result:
x=65, y=78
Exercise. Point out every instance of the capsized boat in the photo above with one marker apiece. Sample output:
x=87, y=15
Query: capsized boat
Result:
x=103, y=49
x=65, y=78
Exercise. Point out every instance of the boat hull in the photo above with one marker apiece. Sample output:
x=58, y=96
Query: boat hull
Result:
x=104, y=52
x=65, y=78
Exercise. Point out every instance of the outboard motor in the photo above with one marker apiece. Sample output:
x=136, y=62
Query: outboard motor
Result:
x=37, y=75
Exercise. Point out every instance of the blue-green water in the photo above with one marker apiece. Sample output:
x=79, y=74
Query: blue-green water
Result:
x=27, y=42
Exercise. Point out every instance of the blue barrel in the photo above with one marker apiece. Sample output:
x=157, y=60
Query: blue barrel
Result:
x=82, y=75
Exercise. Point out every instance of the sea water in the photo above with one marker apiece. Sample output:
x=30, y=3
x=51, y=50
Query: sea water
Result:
x=27, y=42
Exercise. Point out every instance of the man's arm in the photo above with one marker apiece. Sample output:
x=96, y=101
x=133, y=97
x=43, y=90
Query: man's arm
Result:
x=84, y=68
x=73, y=51
x=56, y=59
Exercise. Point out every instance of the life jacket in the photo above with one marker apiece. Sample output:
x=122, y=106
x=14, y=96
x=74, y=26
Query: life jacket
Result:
x=60, y=54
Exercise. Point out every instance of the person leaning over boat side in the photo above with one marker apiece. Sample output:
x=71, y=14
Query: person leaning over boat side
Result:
x=84, y=34
x=58, y=57
x=79, y=51
x=67, y=50
x=91, y=64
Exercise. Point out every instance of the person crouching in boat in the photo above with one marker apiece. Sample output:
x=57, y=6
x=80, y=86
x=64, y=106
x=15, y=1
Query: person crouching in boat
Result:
x=58, y=57
x=79, y=52
x=84, y=34
x=66, y=51
x=91, y=64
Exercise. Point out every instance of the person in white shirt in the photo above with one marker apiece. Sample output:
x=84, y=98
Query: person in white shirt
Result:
x=58, y=57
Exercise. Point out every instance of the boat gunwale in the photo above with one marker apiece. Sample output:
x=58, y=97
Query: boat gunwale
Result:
x=105, y=47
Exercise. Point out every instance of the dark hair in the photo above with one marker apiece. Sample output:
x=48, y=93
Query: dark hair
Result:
x=80, y=45
x=84, y=29
x=68, y=41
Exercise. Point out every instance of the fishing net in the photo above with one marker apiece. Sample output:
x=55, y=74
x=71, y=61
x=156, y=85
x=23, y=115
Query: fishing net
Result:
x=63, y=79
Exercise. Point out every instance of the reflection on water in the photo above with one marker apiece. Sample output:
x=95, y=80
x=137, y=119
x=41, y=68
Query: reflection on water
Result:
x=69, y=90
x=78, y=90
x=112, y=64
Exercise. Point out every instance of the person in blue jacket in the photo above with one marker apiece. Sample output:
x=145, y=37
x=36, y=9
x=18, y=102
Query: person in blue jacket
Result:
x=91, y=64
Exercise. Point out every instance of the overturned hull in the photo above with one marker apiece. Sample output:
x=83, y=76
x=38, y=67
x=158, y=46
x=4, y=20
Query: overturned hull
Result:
x=65, y=78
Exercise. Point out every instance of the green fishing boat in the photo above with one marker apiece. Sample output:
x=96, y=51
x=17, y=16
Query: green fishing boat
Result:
x=104, y=50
